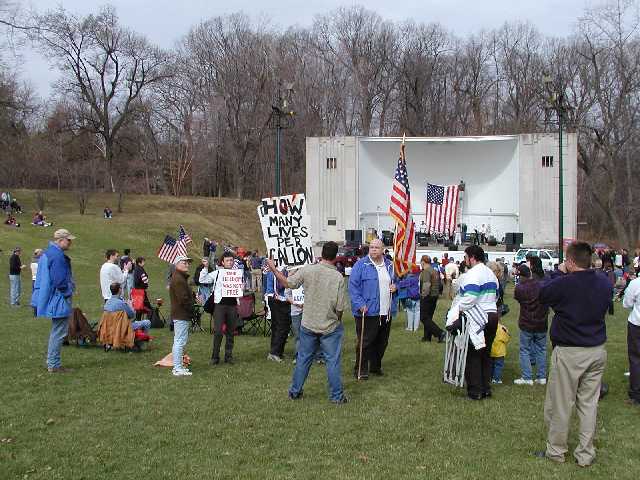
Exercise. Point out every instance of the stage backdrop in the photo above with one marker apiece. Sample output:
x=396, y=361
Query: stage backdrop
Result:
x=511, y=182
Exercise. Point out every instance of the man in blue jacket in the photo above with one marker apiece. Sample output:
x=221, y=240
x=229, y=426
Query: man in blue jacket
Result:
x=52, y=294
x=371, y=288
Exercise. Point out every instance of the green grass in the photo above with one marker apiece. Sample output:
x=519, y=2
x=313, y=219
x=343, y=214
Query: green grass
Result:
x=117, y=416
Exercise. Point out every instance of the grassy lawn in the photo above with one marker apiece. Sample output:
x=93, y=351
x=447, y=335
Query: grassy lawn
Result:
x=117, y=416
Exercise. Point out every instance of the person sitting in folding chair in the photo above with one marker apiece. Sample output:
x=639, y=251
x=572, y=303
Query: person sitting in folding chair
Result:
x=117, y=304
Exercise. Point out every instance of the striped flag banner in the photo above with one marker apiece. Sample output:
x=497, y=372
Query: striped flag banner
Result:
x=183, y=235
x=442, y=208
x=171, y=248
x=404, y=245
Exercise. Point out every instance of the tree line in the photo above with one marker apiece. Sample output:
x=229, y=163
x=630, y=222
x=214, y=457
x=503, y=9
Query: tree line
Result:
x=128, y=116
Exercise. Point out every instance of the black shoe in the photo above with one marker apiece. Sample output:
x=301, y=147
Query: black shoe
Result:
x=295, y=397
x=442, y=337
x=378, y=373
x=214, y=361
x=363, y=376
x=540, y=454
x=341, y=400
x=474, y=396
x=229, y=361
x=486, y=394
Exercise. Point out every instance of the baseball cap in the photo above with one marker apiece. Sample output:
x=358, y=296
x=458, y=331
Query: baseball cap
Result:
x=181, y=258
x=63, y=233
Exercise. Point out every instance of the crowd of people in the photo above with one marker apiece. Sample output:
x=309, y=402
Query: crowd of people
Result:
x=311, y=301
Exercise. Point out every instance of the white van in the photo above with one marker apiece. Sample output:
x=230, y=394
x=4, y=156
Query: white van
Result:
x=549, y=257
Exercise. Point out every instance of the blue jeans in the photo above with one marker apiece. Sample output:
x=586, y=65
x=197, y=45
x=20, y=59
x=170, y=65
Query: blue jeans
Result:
x=180, y=337
x=295, y=325
x=413, y=314
x=331, y=347
x=59, y=330
x=128, y=285
x=497, y=364
x=14, y=289
x=296, y=321
x=533, y=349
x=141, y=324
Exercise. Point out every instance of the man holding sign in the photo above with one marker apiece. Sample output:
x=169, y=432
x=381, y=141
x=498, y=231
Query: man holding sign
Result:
x=325, y=300
x=227, y=288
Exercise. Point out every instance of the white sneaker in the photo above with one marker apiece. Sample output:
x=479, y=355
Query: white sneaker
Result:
x=181, y=373
x=540, y=381
x=496, y=382
x=274, y=358
x=522, y=381
x=627, y=374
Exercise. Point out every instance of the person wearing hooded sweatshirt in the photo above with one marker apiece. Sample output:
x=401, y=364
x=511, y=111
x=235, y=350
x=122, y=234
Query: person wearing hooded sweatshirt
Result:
x=371, y=288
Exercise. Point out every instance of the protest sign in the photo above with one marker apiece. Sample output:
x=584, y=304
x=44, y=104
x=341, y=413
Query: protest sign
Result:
x=298, y=296
x=231, y=281
x=287, y=230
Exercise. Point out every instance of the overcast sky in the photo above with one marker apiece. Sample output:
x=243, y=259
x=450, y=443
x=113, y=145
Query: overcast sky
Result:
x=165, y=21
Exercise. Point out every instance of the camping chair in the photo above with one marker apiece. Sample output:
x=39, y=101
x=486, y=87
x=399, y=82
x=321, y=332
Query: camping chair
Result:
x=196, y=318
x=140, y=303
x=253, y=323
x=80, y=329
x=115, y=331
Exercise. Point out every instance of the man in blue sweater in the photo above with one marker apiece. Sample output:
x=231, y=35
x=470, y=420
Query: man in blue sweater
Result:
x=580, y=297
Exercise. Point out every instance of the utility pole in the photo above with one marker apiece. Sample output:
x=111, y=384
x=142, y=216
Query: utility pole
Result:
x=282, y=116
x=557, y=102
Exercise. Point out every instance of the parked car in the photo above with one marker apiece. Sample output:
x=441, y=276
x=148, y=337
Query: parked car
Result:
x=348, y=255
x=549, y=257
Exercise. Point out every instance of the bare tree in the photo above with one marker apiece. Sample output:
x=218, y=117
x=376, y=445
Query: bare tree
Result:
x=104, y=65
x=609, y=43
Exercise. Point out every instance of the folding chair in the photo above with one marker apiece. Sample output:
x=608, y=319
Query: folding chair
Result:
x=253, y=322
x=455, y=353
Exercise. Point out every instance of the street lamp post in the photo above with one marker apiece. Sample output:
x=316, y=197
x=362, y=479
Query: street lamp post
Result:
x=557, y=102
x=281, y=117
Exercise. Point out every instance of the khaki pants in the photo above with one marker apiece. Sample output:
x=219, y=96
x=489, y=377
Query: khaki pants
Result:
x=574, y=379
x=256, y=279
x=448, y=290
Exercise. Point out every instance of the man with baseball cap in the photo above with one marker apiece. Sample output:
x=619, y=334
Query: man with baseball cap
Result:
x=52, y=294
x=181, y=312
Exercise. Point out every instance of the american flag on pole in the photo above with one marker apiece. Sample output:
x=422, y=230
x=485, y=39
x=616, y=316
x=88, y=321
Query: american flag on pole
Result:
x=442, y=208
x=183, y=235
x=171, y=248
x=404, y=245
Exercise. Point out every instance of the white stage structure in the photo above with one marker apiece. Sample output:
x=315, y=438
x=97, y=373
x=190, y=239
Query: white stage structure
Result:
x=511, y=182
